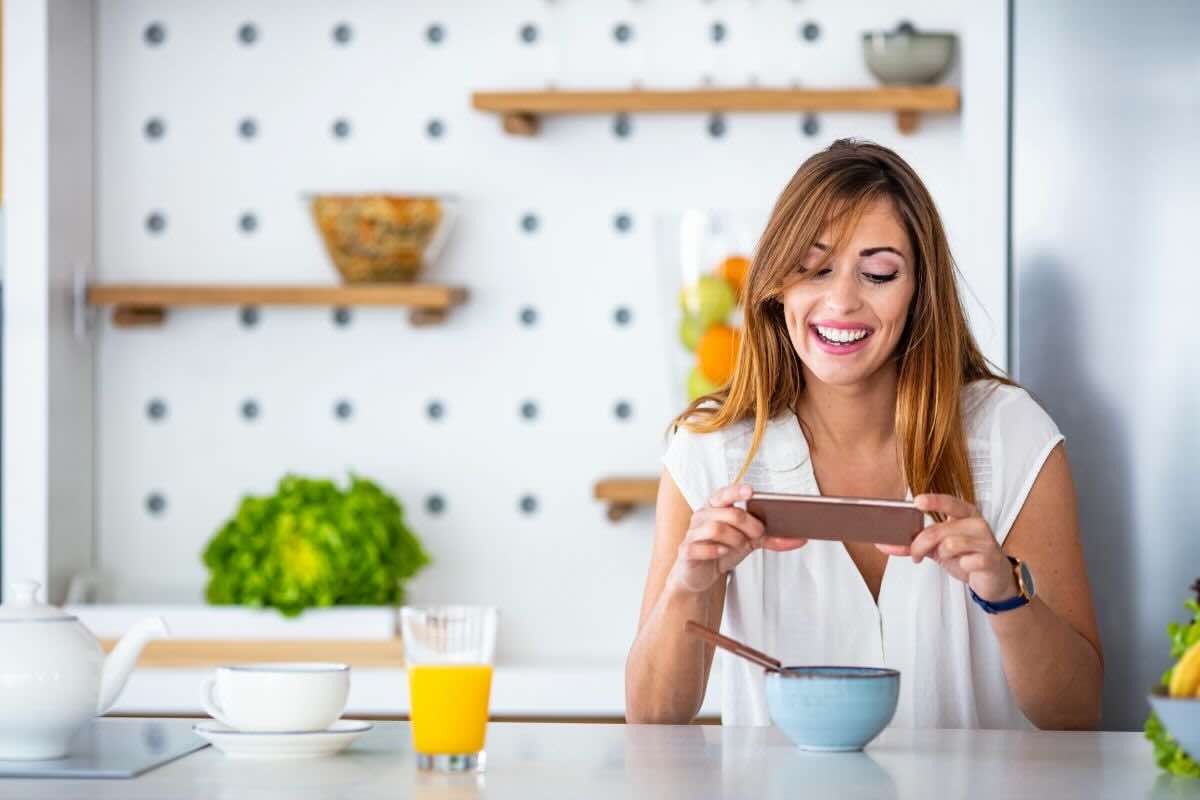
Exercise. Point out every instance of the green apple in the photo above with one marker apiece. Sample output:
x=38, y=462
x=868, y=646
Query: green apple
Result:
x=690, y=330
x=710, y=300
x=699, y=384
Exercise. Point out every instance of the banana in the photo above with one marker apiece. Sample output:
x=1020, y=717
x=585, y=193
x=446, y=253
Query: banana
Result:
x=1185, y=679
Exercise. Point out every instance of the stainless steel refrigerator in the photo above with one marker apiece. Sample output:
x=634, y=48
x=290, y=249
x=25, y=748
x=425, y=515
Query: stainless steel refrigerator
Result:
x=1105, y=299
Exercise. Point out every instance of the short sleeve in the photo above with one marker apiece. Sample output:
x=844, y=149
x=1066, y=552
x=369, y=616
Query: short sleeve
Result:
x=1022, y=437
x=696, y=462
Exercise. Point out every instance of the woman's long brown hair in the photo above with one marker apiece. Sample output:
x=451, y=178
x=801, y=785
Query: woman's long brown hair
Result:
x=937, y=355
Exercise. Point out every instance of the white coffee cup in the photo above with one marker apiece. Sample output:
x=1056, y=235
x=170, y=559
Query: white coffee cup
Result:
x=293, y=697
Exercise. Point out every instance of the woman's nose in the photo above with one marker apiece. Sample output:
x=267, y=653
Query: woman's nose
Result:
x=843, y=296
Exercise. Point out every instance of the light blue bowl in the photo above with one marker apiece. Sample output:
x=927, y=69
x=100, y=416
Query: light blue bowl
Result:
x=1181, y=717
x=832, y=709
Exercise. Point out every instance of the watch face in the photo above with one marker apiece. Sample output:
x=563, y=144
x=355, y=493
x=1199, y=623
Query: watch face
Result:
x=1026, y=580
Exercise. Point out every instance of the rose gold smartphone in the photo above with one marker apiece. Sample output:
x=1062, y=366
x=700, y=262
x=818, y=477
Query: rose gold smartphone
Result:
x=843, y=519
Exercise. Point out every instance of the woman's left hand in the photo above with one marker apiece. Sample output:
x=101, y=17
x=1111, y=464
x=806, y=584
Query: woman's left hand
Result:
x=963, y=545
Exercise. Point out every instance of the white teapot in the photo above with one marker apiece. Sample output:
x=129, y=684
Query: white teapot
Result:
x=54, y=676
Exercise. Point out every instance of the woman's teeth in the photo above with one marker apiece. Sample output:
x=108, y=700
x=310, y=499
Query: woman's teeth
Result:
x=840, y=335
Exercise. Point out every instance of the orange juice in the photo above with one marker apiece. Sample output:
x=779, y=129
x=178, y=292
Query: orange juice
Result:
x=449, y=706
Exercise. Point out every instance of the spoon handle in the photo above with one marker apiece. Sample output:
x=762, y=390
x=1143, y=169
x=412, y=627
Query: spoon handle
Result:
x=733, y=646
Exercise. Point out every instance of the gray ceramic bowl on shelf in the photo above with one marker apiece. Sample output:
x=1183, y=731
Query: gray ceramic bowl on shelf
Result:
x=908, y=56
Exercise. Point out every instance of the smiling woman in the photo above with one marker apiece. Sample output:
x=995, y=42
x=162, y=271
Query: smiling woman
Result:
x=857, y=375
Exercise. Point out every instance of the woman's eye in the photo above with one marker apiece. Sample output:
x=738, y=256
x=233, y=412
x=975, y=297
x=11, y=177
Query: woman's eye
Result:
x=870, y=276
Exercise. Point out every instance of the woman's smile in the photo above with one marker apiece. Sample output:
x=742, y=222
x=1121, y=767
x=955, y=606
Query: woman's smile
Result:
x=840, y=338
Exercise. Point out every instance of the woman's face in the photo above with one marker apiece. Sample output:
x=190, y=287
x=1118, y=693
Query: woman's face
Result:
x=859, y=298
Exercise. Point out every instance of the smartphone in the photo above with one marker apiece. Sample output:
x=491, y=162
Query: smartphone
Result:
x=844, y=519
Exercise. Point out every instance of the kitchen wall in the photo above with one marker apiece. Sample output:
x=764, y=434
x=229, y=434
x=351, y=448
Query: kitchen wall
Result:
x=213, y=120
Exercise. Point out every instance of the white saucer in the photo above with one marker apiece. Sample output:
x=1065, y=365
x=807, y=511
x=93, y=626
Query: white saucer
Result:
x=304, y=744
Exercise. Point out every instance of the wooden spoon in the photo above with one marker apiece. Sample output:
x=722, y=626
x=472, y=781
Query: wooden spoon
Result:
x=733, y=646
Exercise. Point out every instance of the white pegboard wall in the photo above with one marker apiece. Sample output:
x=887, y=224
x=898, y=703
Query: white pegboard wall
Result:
x=173, y=104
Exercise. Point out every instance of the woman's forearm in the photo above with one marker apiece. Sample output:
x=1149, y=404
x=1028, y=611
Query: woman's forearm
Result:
x=667, y=669
x=1055, y=674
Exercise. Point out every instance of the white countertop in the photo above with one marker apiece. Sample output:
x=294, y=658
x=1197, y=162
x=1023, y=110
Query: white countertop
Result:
x=529, y=760
x=523, y=691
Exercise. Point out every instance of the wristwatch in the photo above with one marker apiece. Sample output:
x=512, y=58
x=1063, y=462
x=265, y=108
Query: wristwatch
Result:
x=1024, y=591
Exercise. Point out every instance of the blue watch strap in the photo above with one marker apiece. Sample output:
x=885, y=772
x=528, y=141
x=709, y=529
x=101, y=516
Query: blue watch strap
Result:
x=1003, y=605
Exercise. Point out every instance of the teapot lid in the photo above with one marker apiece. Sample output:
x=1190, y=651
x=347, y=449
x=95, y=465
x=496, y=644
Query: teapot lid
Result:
x=21, y=605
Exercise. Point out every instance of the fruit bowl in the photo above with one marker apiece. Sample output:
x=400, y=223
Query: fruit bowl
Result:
x=382, y=238
x=704, y=265
x=1181, y=717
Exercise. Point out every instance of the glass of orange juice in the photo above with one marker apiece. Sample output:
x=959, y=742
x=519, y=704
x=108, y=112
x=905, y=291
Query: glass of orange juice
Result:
x=448, y=653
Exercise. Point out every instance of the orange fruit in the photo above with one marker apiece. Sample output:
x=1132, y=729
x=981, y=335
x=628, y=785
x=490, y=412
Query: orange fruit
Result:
x=734, y=270
x=717, y=350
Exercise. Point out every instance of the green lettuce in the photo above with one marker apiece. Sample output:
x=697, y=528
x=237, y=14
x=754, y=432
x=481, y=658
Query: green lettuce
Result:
x=1167, y=753
x=312, y=544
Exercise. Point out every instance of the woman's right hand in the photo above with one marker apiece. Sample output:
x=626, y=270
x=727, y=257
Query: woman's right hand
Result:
x=719, y=536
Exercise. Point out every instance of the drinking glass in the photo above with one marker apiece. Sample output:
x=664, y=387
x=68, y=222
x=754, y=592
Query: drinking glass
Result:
x=448, y=653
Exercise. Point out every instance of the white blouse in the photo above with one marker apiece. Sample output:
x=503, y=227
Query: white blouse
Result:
x=811, y=605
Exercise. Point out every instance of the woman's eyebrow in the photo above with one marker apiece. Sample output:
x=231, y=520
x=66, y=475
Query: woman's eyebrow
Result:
x=870, y=251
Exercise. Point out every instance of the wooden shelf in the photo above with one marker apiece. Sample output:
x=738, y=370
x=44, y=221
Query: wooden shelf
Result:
x=520, y=111
x=147, y=304
x=204, y=653
x=623, y=495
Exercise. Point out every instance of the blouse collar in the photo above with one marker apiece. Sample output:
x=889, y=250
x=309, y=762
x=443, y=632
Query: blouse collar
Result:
x=784, y=446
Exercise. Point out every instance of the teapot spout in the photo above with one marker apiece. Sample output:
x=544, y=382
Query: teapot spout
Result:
x=118, y=665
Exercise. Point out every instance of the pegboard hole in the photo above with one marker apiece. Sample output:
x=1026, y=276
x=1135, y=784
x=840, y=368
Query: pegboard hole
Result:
x=623, y=410
x=622, y=316
x=528, y=33
x=155, y=128
x=248, y=316
x=622, y=126
x=530, y=223
x=248, y=128
x=343, y=410
x=435, y=504
x=156, y=503
x=341, y=128
x=810, y=31
x=623, y=222
x=156, y=222
x=248, y=33
x=343, y=33
x=248, y=222
x=435, y=410
x=155, y=34
x=435, y=33
x=528, y=504
x=810, y=125
x=435, y=128
x=717, y=32
x=623, y=32
x=529, y=410
x=528, y=316
x=156, y=409
x=716, y=126
x=342, y=317
x=250, y=410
